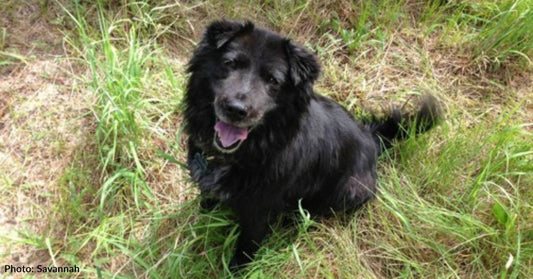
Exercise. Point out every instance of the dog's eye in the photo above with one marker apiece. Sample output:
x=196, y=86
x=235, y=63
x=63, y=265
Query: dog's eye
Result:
x=230, y=63
x=272, y=80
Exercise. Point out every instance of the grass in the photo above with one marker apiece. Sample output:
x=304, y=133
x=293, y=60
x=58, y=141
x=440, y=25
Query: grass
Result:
x=92, y=153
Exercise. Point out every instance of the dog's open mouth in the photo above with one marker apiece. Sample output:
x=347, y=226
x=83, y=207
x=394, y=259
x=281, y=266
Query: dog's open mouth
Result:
x=228, y=138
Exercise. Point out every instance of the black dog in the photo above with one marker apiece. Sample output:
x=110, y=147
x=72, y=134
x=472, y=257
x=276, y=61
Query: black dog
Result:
x=261, y=140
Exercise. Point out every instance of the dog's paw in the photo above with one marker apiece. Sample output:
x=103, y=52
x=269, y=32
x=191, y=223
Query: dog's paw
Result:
x=208, y=204
x=197, y=166
x=238, y=262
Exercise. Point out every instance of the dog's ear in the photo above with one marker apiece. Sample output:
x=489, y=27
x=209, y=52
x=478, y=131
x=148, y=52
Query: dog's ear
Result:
x=220, y=32
x=303, y=66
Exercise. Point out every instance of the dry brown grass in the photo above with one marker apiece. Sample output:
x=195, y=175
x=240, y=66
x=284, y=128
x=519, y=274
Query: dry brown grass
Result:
x=41, y=132
x=40, y=129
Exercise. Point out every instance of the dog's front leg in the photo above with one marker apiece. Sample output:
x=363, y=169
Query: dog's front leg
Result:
x=196, y=164
x=207, y=174
x=254, y=228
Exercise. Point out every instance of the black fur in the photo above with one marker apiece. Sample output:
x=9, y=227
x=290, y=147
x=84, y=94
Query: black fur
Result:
x=300, y=146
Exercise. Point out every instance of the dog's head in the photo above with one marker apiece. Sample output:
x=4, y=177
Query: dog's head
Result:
x=249, y=69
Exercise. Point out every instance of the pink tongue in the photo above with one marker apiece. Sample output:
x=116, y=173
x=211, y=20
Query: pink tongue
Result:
x=229, y=134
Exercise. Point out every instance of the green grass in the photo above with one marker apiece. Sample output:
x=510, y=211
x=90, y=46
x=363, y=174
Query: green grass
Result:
x=117, y=83
x=507, y=33
x=494, y=33
x=453, y=203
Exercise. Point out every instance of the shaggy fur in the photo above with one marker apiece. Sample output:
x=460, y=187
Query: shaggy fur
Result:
x=297, y=145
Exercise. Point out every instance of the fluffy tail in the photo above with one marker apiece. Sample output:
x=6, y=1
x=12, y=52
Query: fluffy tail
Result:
x=399, y=125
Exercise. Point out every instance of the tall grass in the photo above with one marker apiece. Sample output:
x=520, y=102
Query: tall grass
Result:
x=469, y=196
x=506, y=33
x=118, y=64
x=366, y=22
x=495, y=33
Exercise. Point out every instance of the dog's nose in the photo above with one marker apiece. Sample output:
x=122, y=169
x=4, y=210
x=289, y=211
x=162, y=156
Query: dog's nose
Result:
x=234, y=110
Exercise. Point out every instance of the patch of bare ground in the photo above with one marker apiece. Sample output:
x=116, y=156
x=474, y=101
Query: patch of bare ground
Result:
x=29, y=32
x=41, y=127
